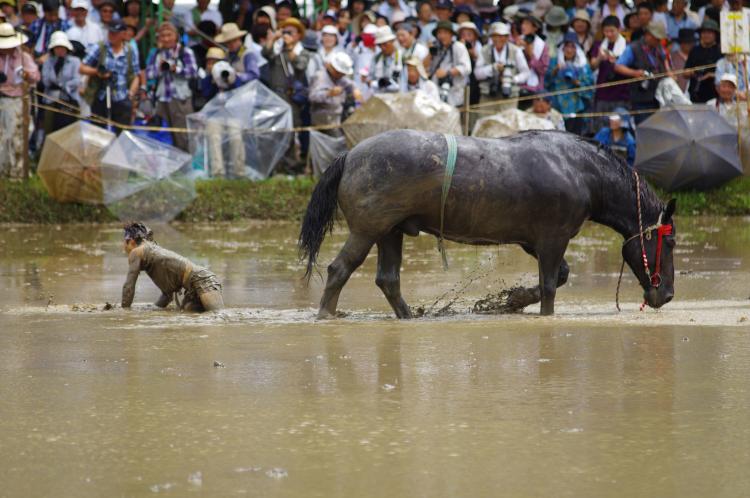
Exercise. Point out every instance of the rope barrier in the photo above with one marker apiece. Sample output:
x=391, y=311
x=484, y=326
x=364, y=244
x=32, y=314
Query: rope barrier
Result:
x=476, y=108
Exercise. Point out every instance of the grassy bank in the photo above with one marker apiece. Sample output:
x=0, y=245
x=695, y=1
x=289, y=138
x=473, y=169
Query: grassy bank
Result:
x=218, y=200
x=283, y=199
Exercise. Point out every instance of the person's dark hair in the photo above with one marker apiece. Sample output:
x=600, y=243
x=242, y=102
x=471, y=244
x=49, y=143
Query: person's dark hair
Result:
x=645, y=5
x=259, y=31
x=137, y=231
x=50, y=5
x=208, y=27
x=659, y=3
x=627, y=19
x=612, y=21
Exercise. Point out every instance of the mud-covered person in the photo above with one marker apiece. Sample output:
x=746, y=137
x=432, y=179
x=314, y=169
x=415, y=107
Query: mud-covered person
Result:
x=170, y=272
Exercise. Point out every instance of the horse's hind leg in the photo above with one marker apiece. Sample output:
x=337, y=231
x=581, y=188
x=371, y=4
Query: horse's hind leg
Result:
x=351, y=256
x=389, y=272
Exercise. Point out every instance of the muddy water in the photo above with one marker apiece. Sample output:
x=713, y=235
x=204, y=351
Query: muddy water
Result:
x=587, y=403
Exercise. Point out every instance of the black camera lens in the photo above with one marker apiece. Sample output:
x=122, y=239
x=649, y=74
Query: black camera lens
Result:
x=225, y=75
x=165, y=66
x=3, y=78
x=468, y=45
x=528, y=38
x=433, y=51
x=102, y=69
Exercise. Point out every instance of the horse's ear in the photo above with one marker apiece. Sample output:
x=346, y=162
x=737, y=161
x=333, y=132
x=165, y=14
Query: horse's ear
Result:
x=669, y=210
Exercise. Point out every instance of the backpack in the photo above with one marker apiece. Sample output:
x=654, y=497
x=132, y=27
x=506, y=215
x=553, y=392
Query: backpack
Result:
x=95, y=83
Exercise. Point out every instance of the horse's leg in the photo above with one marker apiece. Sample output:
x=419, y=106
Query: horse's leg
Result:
x=351, y=256
x=562, y=276
x=550, y=256
x=389, y=269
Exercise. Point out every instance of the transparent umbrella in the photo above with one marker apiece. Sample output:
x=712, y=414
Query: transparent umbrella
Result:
x=224, y=135
x=70, y=164
x=144, y=179
x=687, y=147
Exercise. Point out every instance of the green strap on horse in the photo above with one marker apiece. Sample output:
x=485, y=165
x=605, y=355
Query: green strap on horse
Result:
x=450, y=167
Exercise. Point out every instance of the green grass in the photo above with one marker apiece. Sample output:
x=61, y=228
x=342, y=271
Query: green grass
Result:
x=278, y=198
x=281, y=198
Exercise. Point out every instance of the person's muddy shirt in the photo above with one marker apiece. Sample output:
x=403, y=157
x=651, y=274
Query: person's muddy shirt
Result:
x=166, y=268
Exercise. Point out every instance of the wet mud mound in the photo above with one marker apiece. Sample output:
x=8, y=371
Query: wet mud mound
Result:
x=512, y=300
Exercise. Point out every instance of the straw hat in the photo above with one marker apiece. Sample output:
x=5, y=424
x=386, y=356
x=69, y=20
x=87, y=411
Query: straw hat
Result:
x=294, y=23
x=657, y=30
x=415, y=62
x=581, y=15
x=384, y=34
x=60, y=39
x=215, y=53
x=9, y=38
x=230, y=31
x=342, y=63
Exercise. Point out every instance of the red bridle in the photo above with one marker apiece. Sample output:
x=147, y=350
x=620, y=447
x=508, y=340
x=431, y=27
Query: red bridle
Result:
x=662, y=230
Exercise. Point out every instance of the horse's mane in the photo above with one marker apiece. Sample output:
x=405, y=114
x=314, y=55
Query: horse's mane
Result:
x=612, y=164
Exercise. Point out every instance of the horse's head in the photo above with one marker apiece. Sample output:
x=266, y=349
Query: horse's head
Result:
x=657, y=253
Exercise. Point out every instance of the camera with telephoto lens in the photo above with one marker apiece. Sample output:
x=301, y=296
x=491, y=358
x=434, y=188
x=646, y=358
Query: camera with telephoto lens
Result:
x=384, y=83
x=3, y=78
x=165, y=66
x=528, y=39
x=433, y=50
x=506, y=80
x=444, y=88
x=225, y=75
x=647, y=81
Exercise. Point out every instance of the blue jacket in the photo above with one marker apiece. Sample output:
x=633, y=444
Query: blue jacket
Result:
x=604, y=137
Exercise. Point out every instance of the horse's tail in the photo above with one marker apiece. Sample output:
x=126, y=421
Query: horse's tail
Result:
x=321, y=211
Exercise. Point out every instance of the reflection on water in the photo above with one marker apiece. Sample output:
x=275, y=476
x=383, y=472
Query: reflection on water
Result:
x=587, y=403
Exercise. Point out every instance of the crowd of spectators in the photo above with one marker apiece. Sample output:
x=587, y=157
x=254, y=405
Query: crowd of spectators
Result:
x=129, y=61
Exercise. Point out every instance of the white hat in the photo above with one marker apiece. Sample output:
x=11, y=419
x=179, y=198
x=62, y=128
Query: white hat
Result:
x=329, y=30
x=730, y=78
x=384, y=34
x=9, y=37
x=397, y=17
x=468, y=25
x=370, y=29
x=499, y=28
x=341, y=62
x=60, y=39
x=80, y=4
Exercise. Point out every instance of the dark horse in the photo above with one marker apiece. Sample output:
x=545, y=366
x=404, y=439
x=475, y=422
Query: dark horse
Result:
x=535, y=189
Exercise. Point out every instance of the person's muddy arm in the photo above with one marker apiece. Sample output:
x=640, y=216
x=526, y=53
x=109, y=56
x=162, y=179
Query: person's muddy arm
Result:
x=128, y=289
x=163, y=300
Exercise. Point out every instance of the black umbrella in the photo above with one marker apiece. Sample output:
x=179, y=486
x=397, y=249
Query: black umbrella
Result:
x=687, y=147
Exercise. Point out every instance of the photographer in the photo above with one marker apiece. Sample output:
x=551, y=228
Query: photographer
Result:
x=287, y=62
x=450, y=65
x=501, y=67
x=330, y=89
x=244, y=61
x=16, y=67
x=387, y=64
x=112, y=67
x=570, y=70
x=416, y=79
x=537, y=55
x=60, y=81
x=42, y=29
x=609, y=98
x=173, y=68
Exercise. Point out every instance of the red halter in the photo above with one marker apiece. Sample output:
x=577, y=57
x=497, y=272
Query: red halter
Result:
x=661, y=230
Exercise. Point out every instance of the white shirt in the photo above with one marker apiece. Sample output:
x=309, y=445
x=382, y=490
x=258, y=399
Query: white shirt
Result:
x=89, y=34
x=417, y=50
